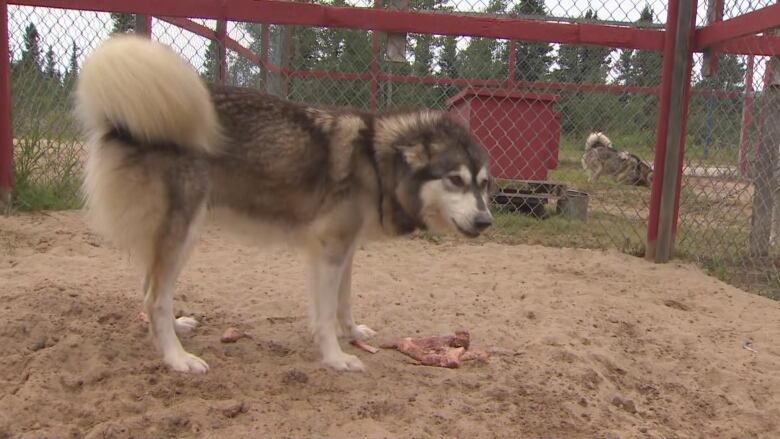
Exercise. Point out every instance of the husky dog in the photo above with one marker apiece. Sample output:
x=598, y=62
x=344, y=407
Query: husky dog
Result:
x=601, y=158
x=166, y=151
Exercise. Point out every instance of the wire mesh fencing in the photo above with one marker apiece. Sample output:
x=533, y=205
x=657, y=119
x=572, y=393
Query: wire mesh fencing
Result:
x=532, y=105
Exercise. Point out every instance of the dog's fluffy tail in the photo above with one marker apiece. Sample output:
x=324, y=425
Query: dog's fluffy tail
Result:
x=597, y=139
x=143, y=89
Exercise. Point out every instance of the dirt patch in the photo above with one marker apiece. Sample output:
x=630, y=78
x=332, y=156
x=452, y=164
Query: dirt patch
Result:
x=583, y=344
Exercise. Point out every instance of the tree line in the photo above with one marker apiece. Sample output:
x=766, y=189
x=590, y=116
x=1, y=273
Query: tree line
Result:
x=40, y=88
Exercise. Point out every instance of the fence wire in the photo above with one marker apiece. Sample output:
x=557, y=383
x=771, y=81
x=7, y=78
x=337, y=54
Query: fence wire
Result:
x=533, y=105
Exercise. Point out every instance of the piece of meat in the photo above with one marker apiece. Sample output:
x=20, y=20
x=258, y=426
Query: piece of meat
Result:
x=443, y=351
x=361, y=344
x=232, y=335
x=474, y=356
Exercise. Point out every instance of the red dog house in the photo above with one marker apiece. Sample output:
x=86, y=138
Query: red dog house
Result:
x=520, y=130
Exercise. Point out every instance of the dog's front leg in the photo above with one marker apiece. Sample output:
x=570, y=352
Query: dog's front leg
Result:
x=348, y=326
x=328, y=262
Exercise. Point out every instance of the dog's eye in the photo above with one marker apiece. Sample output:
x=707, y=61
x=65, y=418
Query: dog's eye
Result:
x=455, y=180
x=483, y=185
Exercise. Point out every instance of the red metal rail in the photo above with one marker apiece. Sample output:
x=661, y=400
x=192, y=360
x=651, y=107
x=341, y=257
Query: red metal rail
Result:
x=744, y=25
x=234, y=45
x=284, y=12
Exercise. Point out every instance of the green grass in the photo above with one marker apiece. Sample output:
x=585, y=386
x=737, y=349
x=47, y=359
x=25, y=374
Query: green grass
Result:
x=47, y=173
x=601, y=230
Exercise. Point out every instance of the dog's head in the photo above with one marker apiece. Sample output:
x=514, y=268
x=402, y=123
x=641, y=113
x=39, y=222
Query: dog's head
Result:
x=443, y=180
x=645, y=173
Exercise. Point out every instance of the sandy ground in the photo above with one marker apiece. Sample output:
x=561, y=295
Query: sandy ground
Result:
x=585, y=344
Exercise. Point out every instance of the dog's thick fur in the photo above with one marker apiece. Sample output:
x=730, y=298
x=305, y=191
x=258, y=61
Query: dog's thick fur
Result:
x=166, y=152
x=601, y=157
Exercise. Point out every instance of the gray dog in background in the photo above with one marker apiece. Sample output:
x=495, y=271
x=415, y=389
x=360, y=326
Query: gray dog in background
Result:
x=601, y=158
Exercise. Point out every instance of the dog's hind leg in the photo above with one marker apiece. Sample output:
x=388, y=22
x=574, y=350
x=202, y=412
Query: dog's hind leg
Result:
x=348, y=326
x=176, y=238
x=329, y=259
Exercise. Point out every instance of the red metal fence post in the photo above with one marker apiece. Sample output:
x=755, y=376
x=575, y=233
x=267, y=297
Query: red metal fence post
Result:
x=6, y=137
x=684, y=128
x=663, y=126
x=667, y=178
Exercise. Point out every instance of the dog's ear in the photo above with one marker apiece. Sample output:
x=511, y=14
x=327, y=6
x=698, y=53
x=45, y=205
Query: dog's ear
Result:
x=414, y=155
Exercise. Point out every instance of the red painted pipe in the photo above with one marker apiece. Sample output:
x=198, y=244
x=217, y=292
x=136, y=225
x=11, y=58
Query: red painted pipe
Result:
x=6, y=137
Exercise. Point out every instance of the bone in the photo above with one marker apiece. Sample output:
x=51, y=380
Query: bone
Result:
x=360, y=344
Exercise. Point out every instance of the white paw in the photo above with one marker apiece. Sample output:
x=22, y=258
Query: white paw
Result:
x=184, y=325
x=362, y=332
x=186, y=362
x=344, y=362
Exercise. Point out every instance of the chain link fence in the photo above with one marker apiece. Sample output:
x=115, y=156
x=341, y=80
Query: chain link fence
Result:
x=532, y=104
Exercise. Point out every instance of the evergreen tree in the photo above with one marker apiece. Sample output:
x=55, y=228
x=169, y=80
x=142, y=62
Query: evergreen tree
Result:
x=211, y=62
x=69, y=81
x=532, y=60
x=51, y=66
x=624, y=66
x=123, y=23
x=483, y=57
x=31, y=54
x=448, y=58
x=583, y=63
x=729, y=76
x=645, y=67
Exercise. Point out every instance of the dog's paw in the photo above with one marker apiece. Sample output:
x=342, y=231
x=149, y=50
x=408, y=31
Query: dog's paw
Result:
x=362, y=332
x=344, y=363
x=184, y=325
x=186, y=362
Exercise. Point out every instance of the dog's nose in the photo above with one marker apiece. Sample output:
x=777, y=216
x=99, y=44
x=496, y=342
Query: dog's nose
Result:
x=483, y=221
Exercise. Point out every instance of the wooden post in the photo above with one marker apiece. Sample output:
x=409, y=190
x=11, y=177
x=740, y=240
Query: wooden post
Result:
x=395, y=49
x=287, y=51
x=764, y=187
x=221, y=52
x=6, y=137
x=143, y=25
x=766, y=194
x=265, y=41
x=745, y=138
x=373, y=102
x=282, y=54
x=674, y=138
x=710, y=63
x=511, y=65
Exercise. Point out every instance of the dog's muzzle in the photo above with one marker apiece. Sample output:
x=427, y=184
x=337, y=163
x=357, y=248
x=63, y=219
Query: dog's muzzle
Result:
x=482, y=221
